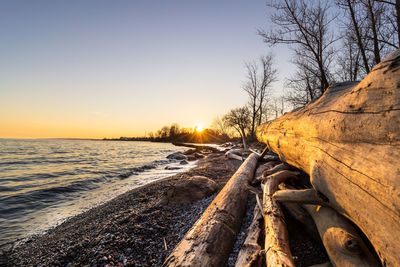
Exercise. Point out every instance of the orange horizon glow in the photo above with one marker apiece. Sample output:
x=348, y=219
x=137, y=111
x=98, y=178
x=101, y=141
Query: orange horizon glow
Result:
x=27, y=129
x=198, y=127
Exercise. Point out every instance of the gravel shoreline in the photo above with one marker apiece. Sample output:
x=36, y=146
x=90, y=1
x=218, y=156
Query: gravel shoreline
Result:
x=129, y=230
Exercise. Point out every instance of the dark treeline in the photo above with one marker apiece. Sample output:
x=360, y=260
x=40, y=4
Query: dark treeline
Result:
x=175, y=133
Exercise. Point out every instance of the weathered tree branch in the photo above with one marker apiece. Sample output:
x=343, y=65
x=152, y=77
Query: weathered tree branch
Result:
x=276, y=236
x=308, y=196
x=277, y=168
x=249, y=254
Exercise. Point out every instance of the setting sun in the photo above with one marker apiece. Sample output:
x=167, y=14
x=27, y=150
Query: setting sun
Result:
x=198, y=127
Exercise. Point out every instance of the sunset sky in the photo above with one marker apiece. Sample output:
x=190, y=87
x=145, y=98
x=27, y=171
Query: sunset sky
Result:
x=94, y=69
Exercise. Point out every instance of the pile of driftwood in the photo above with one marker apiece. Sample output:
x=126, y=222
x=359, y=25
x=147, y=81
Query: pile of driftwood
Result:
x=341, y=168
x=212, y=237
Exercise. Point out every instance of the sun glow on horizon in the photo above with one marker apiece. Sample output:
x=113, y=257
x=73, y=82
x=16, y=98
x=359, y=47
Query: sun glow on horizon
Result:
x=198, y=127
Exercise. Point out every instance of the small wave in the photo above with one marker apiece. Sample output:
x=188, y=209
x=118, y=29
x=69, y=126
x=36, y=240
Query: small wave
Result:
x=52, y=194
x=144, y=168
x=21, y=162
x=161, y=161
x=137, y=170
x=40, y=161
x=7, y=189
x=38, y=176
x=60, y=152
x=123, y=176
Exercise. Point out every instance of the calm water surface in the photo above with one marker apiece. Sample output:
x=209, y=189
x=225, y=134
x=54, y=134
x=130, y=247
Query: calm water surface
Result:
x=43, y=182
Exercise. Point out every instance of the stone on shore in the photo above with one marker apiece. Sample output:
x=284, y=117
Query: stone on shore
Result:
x=191, y=158
x=171, y=168
x=198, y=155
x=189, y=152
x=192, y=189
x=177, y=156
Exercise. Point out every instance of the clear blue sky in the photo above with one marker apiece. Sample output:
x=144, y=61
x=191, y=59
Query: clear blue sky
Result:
x=120, y=68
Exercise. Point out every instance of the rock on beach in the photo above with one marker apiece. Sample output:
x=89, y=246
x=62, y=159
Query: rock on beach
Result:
x=177, y=156
x=192, y=189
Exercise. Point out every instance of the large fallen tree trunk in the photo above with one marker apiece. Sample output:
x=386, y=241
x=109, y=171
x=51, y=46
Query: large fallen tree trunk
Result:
x=210, y=240
x=349, y=143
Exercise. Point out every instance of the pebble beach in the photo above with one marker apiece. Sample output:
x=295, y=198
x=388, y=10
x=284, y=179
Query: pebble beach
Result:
x=136, y=228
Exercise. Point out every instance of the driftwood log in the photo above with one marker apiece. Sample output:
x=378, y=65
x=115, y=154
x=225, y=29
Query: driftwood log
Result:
x=277, y=168
x=249, y=254
x=299, y=214
x=232, y=155
x=309, y=196
x=276, y=236
x=210, y=240
x=348, y=141
x=343, y=244
x=262, y=168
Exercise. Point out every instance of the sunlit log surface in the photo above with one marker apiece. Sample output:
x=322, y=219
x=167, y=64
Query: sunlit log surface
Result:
x=349, y=143
x=211, y=239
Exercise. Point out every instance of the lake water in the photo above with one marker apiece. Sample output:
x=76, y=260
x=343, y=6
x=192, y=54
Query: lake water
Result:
x=43, y=182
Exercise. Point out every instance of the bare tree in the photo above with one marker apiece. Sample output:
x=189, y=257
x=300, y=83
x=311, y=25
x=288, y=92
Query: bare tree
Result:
x=251, y=86
x=349, y=59
x=220, y=126
x=374, y=25
x=269, y=76
x=277, y=107
x=305, y=25
x=351, y=7
x=239, y=119
x=304, y=88
x=373, y=15
x=392, y=22
x=257, y=86
x=304, y=84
